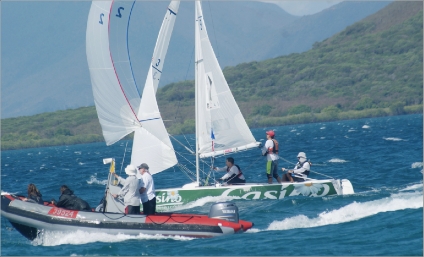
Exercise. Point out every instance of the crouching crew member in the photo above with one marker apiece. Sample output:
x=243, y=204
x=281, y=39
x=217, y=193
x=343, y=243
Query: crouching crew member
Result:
x=300, y=171
x=234, y=174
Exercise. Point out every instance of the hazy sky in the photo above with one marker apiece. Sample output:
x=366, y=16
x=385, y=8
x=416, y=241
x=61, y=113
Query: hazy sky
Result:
x=300, y=8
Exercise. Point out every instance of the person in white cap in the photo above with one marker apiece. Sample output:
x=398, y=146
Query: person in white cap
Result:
x=129, y=190
x=300, y=171
x=147, y=190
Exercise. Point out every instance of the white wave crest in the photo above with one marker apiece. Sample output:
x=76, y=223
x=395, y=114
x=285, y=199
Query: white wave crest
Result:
x=365, y=127
x=337, y=160
x=54, y=238
x=94, y=180
x=392, y=139
x=351, y=212
x=416, y=187
x=417, y=165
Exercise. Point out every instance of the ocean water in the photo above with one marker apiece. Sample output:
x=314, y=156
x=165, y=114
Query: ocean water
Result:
x=382, y=157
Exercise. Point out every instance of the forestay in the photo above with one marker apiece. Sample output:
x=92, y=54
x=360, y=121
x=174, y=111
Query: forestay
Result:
x=151, y=142
x=220, y=125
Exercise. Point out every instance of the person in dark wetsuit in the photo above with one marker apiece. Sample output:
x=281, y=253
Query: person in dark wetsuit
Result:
x=234, y=174
x=70, y=201
x=34, y=195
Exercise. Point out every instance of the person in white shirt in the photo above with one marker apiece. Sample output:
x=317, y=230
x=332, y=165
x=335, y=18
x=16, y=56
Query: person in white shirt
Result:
x=300, y=171
x=234, y=174
x=270, y=150
x=130, y=190
x=147, y=190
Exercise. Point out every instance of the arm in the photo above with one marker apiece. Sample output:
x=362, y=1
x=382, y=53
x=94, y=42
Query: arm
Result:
x=63, y=199
x=304, y=167
x=232, y=171
x=124, y=189
x=141, y=185
x=221, y=169
x=268, y=144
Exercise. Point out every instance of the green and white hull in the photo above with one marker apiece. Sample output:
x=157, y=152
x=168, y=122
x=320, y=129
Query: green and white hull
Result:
x=189, y=194
x=167, y=199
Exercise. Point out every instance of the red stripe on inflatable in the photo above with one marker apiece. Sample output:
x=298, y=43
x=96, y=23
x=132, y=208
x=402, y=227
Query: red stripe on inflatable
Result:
x=192, y=220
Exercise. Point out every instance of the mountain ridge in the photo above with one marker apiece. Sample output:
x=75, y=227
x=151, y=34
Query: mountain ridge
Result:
x=359, y=72
x=51, y=36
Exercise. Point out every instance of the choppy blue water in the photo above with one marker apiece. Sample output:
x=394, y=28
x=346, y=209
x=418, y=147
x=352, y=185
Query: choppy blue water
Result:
x=382, y=157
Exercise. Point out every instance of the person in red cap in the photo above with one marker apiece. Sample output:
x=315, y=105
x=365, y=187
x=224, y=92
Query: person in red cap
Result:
x=270, y=150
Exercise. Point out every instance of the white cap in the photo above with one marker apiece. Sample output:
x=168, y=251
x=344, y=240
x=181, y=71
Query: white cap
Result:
x=302, y=155
x=131, y=170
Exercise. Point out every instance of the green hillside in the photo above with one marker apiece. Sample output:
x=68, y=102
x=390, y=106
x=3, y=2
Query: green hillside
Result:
x=372, y=68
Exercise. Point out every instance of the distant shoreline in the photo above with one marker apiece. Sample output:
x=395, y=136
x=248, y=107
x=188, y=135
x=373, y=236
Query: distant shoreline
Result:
x=88, y=129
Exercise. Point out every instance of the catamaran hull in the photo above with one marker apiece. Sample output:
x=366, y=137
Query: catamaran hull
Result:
x=30, y=219
x=170, y=198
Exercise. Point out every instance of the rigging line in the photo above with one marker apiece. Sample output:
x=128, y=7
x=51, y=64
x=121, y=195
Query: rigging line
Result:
x=213, y=28
x=309, y=170
x=128, y=52
x=114, y=68
x=190, y=150
x=193, y=163
x=253, y=162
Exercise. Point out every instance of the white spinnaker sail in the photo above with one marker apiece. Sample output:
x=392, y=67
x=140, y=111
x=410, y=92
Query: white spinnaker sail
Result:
x=217, y=111
x=151, y=142
x=119, y=49
x=116, y=115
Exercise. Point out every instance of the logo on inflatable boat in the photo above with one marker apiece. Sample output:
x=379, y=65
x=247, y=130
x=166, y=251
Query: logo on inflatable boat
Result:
x=63, y=213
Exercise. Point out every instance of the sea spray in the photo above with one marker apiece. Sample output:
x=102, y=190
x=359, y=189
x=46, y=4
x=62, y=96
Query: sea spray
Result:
x=352, y=212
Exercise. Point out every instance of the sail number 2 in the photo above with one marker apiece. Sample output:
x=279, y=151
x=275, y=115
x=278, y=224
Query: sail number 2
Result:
x=119, y=15
x=101, y=18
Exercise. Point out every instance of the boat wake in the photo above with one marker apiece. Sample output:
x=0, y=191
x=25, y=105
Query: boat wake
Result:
x=354, y=211
x=55, y=238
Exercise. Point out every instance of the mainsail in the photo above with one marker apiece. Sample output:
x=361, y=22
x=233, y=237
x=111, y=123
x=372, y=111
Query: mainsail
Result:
x=220, y=125
x=151, y=142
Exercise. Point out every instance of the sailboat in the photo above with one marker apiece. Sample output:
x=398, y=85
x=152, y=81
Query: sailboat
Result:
x=220, y=126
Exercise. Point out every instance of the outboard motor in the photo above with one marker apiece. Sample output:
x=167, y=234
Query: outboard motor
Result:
x=225, y=211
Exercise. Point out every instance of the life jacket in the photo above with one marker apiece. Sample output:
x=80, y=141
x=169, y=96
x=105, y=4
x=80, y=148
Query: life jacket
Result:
x=235, y=175
x=274, y=149
x=298, y=166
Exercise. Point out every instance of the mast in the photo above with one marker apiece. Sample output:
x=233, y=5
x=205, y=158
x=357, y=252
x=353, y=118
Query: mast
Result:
x=196, y=92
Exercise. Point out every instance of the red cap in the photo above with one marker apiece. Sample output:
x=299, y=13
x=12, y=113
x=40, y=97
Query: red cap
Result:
x=271, y=133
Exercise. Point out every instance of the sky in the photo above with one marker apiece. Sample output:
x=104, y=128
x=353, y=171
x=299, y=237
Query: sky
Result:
x=301, y=8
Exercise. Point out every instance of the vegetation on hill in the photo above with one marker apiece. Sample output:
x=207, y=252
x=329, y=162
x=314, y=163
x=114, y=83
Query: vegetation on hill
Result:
x=372, y=68
x=368, y=66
